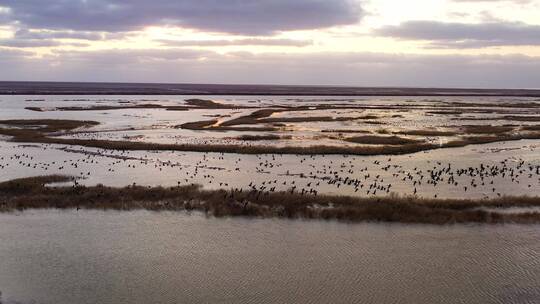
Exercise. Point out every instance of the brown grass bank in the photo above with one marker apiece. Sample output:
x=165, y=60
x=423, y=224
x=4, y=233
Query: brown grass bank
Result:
x=487, y=129
x=427, y=132
x=382, y=140
x=263, y=137
x=32, y=193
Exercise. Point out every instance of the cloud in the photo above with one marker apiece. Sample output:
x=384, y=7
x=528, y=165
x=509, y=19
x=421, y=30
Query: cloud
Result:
x=43, y=35
x=330, y=68
x=238, y=42
x=27, y=43
x=256, y=17
x=463, y=35
x=118, y=58
x=10, y=54
x=514, y=1
x=33, y=39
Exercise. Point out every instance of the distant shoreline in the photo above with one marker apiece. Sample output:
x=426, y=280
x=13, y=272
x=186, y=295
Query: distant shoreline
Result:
x=95, y=88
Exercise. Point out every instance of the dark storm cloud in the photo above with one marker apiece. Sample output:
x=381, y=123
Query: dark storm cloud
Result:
x=232, y=16
x=463, y=35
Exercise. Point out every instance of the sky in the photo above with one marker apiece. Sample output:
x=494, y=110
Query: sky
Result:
x=412, y=43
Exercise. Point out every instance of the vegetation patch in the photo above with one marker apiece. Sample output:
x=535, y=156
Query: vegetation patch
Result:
x=344, y=131
x=210, y=104
x=190, y=104
x=251, y=118
x=427, y=133
x=44, y=131
x=487, y=129
x=38, y=126
x=198, y=125
x=522, y=118
x=486, y=139
x=306, y=119
x=382, y=140
x=33, y=193
x=263, y=137
x=445, y=112
x=110, y=107
x=518, y=105
x=506, y=117
x=210, y=125
x=531, y=128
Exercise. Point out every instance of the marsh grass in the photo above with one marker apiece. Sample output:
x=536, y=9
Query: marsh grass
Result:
x=263, y=137
x=210, y=104
x=486, y=139
x=190, y=104
x=210, y=125
x=445, y=112
x=531, y=128
x=263, y=116
x=344, y=131
x=33, y=193
x=487, y=129
x=382, y=140
x=42, y=131
x=48, y=125
x=198, y=125
x=427, y=133
x=522, y=118
x=109, y=108
x=306, y=119
x=515, y=105
x=519, y=118
x=251, y=118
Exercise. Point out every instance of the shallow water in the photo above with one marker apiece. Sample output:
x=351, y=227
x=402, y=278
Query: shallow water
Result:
x=61, y=257
x=157, y=125
x=216, y=170
x=49, y=256
x=328, y=174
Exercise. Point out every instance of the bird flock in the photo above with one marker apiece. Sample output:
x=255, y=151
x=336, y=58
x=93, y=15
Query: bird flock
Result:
x=264, y=174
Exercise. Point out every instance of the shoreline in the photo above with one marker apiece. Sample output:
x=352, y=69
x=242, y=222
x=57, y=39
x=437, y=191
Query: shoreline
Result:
x=97, y=88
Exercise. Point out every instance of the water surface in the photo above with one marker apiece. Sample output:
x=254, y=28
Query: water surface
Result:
x=166, y=257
